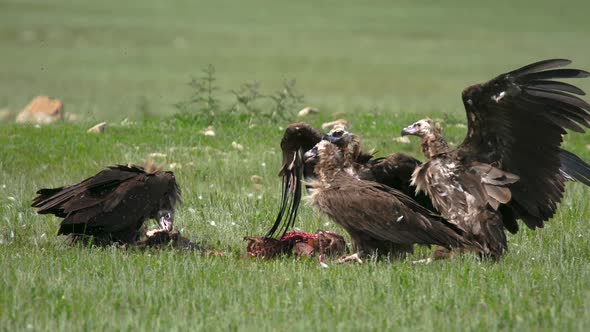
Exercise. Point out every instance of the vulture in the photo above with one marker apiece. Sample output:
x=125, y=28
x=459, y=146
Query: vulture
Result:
x=298, y=138
x=510, y=165
x=111, y=206
x=371, y=211
x=394, y=170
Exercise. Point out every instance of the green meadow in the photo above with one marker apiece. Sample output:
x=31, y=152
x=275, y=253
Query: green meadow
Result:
x=379, y=64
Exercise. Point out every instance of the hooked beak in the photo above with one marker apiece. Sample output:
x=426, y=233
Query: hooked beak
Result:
x=311, y=154
x=166, y=224
x=409, y=130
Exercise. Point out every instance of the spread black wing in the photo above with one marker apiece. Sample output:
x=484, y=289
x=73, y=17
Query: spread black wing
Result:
x=516, y=122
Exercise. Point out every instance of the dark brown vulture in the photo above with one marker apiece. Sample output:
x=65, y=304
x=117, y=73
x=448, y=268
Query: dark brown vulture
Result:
x=394, y=171
x=510, y=166
x=111, y=206
x=370, y=211
x=298, y=138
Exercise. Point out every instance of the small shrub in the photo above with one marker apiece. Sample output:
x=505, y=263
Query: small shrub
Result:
x=204, y=106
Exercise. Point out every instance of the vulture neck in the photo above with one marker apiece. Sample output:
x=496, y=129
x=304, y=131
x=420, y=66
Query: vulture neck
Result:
x=434, y=144
x=351, y=153
x=328, y=169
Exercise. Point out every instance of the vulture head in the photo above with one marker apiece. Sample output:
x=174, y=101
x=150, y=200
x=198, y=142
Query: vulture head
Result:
x=347, y=142
x=422, y=128
x=297, y=136
x=327, y=157
x=165, y=219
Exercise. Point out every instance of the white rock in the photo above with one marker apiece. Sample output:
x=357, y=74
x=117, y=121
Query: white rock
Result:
x=308, y=111
x=210, y=131
x=97, y=129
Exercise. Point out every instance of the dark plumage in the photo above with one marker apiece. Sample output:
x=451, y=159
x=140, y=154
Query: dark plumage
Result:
x=394, y=171
x=368, y=210
x=112, y=205
x=298, y=138
x=510, y=166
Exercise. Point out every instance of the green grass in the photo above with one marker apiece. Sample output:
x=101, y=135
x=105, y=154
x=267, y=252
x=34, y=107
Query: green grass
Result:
x=542, y=283
x=101, y=57
x=384, y=65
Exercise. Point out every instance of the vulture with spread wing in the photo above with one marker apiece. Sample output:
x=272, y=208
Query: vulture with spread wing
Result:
x=375, y=215
x=111, y=206
x=394, y=170
x=510, y=166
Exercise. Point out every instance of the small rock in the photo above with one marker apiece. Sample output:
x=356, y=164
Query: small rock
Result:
x=209, y=131
x=157, y=155
x=98, y=129
x=588, y=146
x=175, y=166
x=42, y=110
x=402, y=139
x=460, y=125
x=308, y=111
x=237, y=146
x=256, y=178
x=340, y=122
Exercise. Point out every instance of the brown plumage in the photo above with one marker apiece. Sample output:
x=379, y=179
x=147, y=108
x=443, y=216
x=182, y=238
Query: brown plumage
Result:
x=394, y=171
x=368, y=210
x=112, y=205
x=510, y=166
x=298, y=138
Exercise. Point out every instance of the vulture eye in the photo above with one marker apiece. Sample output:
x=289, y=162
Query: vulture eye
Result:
x=168, y=215
x=418, y=124
x=338, y=133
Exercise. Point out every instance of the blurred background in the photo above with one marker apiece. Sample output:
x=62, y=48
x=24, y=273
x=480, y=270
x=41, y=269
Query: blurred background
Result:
x=117, y=59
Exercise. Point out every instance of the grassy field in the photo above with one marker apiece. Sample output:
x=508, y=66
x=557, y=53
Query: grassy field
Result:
x=384, y=65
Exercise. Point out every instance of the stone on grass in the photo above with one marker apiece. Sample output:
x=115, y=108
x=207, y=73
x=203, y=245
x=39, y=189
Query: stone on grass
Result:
x=308, y=111
x=210, y=131
x=42, y=110
x=97, y=129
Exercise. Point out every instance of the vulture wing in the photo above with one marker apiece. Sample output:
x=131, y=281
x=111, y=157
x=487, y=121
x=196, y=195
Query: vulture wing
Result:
x=516, y=122
x=114, y=202
x=573, y=168
x=64, y=200
x=396, y=171
x=298, y=138
x=386, y=214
